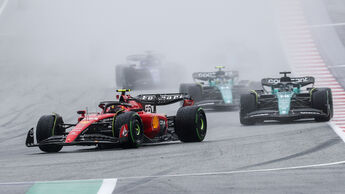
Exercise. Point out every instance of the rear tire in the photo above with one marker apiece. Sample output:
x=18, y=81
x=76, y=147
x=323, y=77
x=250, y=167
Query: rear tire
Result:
x=193, y=90
x=135, y=134
x=247, y=105
x=322, y=100
x=191, y=124
x=47, y=126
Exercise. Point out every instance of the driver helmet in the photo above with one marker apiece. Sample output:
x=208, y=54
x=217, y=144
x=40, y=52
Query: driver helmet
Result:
x=220, y=73
x=285, y=79
x=113, y=109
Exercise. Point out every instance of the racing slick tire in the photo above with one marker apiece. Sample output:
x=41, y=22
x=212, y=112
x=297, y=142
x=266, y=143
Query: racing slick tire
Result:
x=193, y=90
x=47, y=126
x=247, y=105
x=129, y=128
x=191, y=124
x=321, y=99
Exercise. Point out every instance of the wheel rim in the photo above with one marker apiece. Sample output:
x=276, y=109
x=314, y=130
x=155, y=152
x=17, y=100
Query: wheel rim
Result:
x=137, y=129
x=201, y=125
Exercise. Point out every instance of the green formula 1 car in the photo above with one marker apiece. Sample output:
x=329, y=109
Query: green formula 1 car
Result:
x=217, y=90
x=286, y=99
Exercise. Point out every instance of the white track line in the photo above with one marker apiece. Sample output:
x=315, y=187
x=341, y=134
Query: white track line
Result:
x=2, y=8
x=114, y=181
x=307, y=60
x=108, y=186
x=239, y=171
x=337, y=130
x=327, y=25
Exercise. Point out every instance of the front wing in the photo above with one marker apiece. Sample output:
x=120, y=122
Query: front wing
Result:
x=86, y=139
x=216, y=104
x=295, y=114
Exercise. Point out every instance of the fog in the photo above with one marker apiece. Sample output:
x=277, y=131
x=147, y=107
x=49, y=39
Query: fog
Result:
x=62, y=54
x=91, y=37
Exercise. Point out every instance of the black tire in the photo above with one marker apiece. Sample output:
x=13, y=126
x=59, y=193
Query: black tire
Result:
x=193, y=90
x=47, y=126
x=191, y=124
x=247, y=105
x=321, y=99
x=135, y=128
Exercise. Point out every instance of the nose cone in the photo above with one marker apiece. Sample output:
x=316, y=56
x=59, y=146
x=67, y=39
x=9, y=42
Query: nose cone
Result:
x=226, y=94
x=71, y=137
x=284, y=99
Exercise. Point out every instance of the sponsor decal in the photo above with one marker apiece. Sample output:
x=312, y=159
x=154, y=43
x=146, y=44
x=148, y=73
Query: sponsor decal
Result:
x=273, y=81
x=258, y=115
x=310, y=113
x=148, y=108
x=124, y=131
x=171, y=97
x=161, y=97
x=206, y=74
x=300, y=79
x=293, y=79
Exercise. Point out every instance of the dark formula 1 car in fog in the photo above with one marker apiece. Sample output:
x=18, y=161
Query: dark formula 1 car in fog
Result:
x=219, y=89
x=286, y=100
x=129, y=122
x=142, y=71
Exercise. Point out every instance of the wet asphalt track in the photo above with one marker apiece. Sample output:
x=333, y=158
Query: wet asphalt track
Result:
x=227, y=147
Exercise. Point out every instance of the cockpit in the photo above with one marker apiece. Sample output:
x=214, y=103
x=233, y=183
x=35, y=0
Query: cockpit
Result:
x=285, y=84
x=285, y=87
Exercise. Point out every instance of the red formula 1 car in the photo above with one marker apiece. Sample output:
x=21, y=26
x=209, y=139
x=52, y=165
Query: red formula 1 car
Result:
x=129, y=122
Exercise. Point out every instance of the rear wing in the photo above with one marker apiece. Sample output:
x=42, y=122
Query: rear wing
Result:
x=205, y=76
x=302, y=81
x=162, y=99
x=136, y=57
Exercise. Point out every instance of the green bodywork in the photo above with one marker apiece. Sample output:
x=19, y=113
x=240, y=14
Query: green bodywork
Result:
x=225, y=88
x=284, y=98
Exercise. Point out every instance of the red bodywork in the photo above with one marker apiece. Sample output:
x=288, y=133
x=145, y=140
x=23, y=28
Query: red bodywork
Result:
x=147, y=118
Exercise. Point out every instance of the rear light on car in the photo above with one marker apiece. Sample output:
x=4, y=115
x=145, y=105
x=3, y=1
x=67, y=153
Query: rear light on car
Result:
x=188, y=102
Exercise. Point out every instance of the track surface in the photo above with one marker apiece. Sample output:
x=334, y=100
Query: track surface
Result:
x=228, y=147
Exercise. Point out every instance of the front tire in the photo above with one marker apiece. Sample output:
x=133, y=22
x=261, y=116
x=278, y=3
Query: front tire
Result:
x=322, y=100
x=247, y=105
x=47, y=126
x=129, y=128
x=191, y=124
